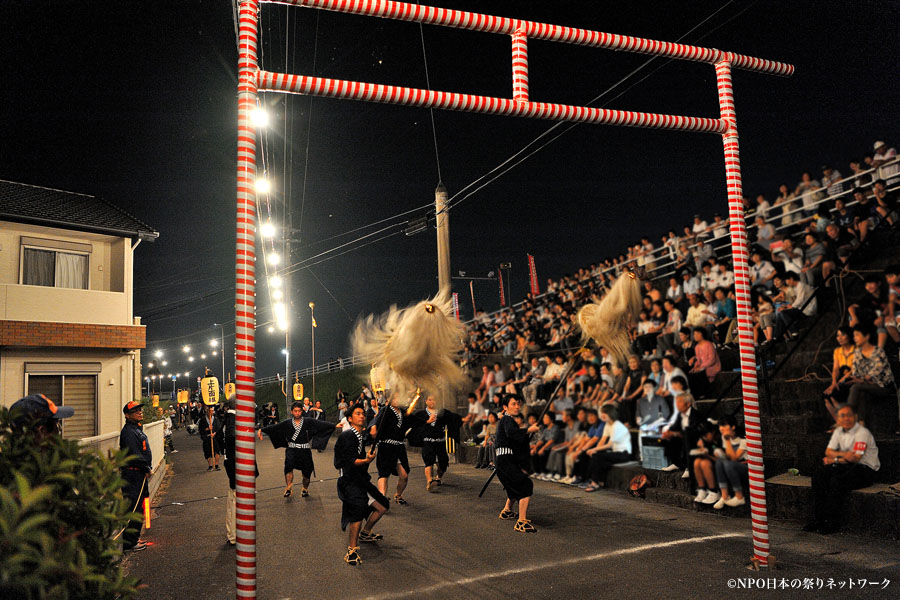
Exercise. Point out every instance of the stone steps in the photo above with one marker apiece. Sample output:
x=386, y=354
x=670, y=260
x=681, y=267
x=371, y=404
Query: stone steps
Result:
x=869, y=511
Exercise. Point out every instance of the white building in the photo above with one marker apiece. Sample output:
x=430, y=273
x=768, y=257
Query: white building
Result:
x=67, y=324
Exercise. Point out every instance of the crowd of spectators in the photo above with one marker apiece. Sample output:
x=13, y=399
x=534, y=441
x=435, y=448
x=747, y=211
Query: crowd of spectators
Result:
x=802, y=239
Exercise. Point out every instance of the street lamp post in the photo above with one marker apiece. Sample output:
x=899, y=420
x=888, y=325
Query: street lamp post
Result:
x=312, y=329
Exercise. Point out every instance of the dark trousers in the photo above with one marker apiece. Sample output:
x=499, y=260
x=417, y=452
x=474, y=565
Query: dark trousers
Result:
x=676, y=448
x=830, y=486
x=135, y=490
x=603, y=461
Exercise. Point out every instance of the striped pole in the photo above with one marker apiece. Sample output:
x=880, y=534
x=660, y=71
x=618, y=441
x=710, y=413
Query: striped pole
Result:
x=390, y=94
x=520, y=66
x=245, y=305
x=739, y=251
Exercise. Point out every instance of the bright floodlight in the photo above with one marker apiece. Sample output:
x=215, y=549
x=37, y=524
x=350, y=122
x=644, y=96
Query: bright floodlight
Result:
x=271, y=329
x=282, y=325
x=165, y=362
x=215, y=352
x=213, y=343
x=202, y=357
x=277, y=295
x=190, y=359
x=274, y=258
x=158, y=353
x=284, y=351
x=274, y=281
x=259, y=117
x=267, y=229
x=186, y=349
x=262, y=185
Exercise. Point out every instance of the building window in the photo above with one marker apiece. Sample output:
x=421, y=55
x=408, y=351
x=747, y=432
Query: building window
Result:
x=77, y=391
x=54, y=269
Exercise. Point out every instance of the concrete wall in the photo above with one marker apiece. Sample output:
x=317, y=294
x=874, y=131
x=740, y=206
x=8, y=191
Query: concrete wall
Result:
x=115, y=382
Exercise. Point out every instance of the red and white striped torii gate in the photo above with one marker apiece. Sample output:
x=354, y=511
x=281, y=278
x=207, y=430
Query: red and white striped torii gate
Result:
x=251, y=81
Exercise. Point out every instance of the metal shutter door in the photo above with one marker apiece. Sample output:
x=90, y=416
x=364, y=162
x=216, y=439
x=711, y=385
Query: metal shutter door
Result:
x=80, y=392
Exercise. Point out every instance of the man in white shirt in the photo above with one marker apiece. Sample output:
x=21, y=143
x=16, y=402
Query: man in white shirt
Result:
x=884, y=154
x=723, y=278
x=850, y=463
x=698, y=313
x=700, y=228
x=690, y=284
x=790, y=314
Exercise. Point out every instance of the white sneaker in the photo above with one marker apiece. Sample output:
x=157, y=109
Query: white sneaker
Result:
x=569, y=480
x=718, y=505
x=557, y=477
x=712, y=498
x=670, y=468
x=701, y=494
x=686, y=474
x=733, y=501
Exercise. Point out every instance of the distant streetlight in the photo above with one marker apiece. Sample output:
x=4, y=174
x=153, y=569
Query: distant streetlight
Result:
x=190, y=359
x=202, y=357
x=274, y=258
x=262, y=185
x=186, y=349
x=165, y=362
x=158, y=354
x=267, y=230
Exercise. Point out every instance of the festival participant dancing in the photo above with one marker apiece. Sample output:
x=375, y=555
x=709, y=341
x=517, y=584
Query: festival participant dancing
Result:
x=298, y=435
x=389, y=430
x=511, y=444
x=361, y=500
x=434, y=442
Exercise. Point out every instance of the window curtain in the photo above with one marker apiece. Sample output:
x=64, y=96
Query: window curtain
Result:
x=38, y=267
x=71, y=271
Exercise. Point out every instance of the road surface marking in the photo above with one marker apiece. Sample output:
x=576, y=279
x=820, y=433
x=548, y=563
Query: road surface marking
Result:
x=552, y=565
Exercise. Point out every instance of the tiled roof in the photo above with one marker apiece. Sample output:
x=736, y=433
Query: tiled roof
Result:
x=23, y=203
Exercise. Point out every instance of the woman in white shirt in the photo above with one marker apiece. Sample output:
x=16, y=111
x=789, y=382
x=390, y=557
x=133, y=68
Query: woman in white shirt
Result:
x=731, y=464
x=613, y=448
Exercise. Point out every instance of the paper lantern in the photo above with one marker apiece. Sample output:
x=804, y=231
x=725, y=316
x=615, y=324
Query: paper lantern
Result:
x=298, y=391
x=376, y=377
x=209, y=388
x=155, y=399
x=230, y=391
x=183, y=396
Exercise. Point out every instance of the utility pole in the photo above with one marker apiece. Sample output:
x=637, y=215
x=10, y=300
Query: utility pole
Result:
x=442, y=222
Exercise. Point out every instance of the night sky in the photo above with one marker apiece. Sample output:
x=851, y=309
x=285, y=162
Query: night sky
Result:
x=136, y=102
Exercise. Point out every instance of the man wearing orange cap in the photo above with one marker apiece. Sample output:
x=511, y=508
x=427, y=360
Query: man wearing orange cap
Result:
x=137, y=473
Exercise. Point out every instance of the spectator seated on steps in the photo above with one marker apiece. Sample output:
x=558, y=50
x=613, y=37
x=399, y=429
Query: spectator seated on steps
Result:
x=871, y=377
x=703, y=457
x=850, y=463
x=731, y=464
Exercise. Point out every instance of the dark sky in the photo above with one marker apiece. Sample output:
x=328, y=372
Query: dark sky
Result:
x=136, y=102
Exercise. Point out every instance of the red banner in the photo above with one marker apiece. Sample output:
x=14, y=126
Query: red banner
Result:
x=502, y=295
x=532, y=277
x=456, y=305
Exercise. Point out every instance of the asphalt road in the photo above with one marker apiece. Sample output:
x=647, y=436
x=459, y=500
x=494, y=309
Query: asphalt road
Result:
x=452, y=545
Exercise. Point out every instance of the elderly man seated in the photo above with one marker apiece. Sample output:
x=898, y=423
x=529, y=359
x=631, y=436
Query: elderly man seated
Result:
x=850, y=463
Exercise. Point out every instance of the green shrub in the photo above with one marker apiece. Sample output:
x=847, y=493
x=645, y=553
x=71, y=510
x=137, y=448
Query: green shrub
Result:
x=60, y=508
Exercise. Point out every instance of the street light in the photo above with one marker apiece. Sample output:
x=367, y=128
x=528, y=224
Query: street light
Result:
x=221, y=344
x=190, y=359
x=165, y=362
x=147, y=379
x=186, y=349
x=312, y=314
x=158, y=354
